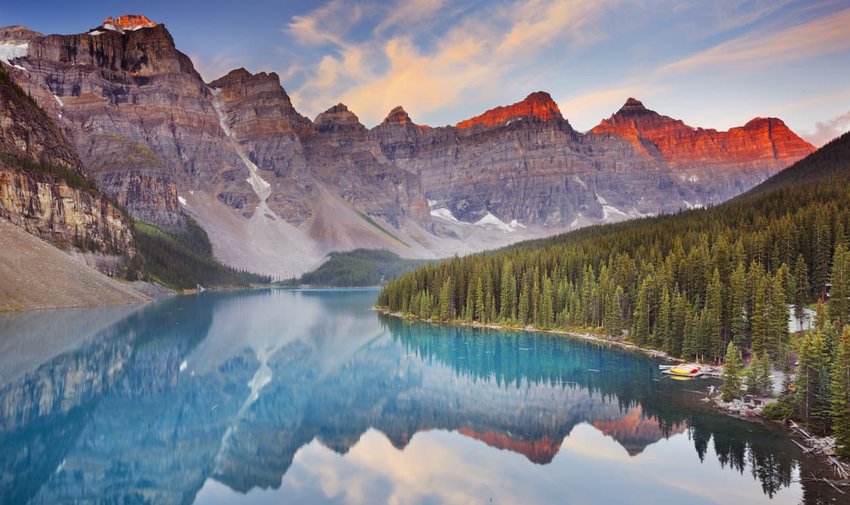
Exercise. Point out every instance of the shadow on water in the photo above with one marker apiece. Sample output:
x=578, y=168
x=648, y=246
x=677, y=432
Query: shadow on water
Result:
x=155, y=403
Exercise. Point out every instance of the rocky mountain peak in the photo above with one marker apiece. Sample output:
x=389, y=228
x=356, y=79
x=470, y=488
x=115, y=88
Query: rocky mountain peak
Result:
x=17, y=33
x=336, y=118
x=398, y=116
x=241, y=76
x=673, y=141
x=128, y=22
x=539, y=105
x=633, y=106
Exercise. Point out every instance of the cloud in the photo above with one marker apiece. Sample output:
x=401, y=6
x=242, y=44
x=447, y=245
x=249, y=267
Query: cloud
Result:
x=827, y=34
x=405, y=12
x=828, y=130
x=325, y=25
x=479, y=54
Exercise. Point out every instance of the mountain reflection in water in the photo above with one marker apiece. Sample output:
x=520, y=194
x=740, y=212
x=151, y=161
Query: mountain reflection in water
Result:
x=310, y=397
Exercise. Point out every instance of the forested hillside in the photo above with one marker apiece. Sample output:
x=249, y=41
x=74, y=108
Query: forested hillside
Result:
x=687, y=283
x=357, y=268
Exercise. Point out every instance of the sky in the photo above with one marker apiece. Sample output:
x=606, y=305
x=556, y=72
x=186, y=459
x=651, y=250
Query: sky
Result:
x=712, y=63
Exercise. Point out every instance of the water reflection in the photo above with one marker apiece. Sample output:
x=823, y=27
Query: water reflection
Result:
x=309, y=397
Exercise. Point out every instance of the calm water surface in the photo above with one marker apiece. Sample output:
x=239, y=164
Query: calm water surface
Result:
x=310, y=397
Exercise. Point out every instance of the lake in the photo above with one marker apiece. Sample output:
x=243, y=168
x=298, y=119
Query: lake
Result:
x=281, y=396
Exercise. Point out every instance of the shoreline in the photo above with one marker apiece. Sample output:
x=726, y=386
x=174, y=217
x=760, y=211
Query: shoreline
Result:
x=652, y=353
x=815, y=443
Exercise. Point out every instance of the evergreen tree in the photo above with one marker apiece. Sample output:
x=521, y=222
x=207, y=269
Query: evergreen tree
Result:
x=801, y=284
x=640, y=329
x=813, y=382
x=738, y=316
x=839, y=304
x=546, y=313
x=663, y=338
x=840, y=385
x=758, y=377
x=778, y=320
x=508, y=295
x=470, y=303
x=731, y=387
x=713, y=318
x=447, y=301
x=524, y=307
x=480, y=307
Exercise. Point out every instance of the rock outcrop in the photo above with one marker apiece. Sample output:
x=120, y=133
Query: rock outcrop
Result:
x=135, y=85
x=43, y=188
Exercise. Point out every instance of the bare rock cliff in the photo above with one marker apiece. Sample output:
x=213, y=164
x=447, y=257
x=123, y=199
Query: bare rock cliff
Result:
x=42, y=185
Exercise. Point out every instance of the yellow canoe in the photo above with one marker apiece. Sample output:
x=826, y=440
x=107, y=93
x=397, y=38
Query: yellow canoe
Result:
x=687, y=370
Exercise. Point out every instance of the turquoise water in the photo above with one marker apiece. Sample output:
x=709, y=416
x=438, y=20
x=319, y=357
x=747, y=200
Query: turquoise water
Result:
x=310, y=397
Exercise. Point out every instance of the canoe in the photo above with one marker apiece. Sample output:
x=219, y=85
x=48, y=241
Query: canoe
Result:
x=686, y=370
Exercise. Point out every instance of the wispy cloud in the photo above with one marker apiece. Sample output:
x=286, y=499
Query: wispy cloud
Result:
x=828, y=130
x=827, y=34
x=480, y=53
x=326, y=25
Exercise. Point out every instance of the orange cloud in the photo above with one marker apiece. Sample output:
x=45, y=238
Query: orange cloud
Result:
x=478, y=56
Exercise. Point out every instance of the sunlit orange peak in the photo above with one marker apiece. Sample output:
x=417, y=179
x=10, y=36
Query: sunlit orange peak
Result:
x=538, y=105
x=128, y=22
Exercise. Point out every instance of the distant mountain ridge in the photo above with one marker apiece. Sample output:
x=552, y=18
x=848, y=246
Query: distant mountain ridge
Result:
x=276, y=191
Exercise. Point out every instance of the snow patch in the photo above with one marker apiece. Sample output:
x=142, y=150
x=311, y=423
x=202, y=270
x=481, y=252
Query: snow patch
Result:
x=183, y=365
x=693, y=205
x=9, y=52
x=611, y=214
x=493, y=222
x=96, y=32
x=601, y=200
x=59, y=101
x=489, y=221
x=260, y=186
x=181, y=200
x=579, y=181
x=446, y=214
x=113, y=28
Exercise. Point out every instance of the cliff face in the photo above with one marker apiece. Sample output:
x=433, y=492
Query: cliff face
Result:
x=261, y=118
x=49, y=208
x=42, y=185
x=346, y=157
x=136, y=86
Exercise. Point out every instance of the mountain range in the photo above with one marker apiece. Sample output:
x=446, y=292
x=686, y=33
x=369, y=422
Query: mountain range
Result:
x=276, y=191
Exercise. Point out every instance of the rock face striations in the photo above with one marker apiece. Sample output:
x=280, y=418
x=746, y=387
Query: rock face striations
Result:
x=277, y=191
x=42, y=185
